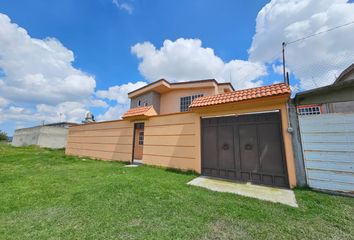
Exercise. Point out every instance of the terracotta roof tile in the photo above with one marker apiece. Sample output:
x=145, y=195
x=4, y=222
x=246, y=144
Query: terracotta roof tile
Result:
x=241, y=95
x=139, y=111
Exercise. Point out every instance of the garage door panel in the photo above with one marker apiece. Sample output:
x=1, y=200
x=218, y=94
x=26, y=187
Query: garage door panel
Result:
x=226, y=147
x=245, y=148
x=248, y=148
x=280, y=181
x=270, y=154
x=210, y=155
x=267, y=179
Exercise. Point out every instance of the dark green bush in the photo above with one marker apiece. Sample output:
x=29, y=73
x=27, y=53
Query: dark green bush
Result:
x=3, y=136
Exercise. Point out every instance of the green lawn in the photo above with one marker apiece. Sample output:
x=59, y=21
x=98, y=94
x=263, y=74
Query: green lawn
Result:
x=47, y=195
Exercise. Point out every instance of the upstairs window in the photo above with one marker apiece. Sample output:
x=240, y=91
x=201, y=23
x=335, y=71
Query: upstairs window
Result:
x=186, y=101
x=309, y=110
x=141, y=103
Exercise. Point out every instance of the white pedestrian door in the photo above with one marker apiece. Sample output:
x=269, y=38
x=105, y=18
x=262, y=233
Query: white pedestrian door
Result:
x=328, y=147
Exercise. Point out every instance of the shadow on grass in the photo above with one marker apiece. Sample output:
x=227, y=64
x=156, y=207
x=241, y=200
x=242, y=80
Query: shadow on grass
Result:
x=180, y=171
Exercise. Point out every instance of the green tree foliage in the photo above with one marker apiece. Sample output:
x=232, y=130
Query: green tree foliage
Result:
x=3, y=136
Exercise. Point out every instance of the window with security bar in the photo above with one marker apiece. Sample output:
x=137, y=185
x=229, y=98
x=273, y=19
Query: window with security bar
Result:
x=311, y=110
x=186, y=101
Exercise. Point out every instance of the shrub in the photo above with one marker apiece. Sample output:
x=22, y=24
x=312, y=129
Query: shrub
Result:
x=3, y=136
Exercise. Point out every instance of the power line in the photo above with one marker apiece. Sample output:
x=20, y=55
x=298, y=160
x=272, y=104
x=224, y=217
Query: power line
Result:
x=318, y=33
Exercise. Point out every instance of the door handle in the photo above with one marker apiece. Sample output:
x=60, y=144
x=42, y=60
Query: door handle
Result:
x=225, y=146
x=248, y=146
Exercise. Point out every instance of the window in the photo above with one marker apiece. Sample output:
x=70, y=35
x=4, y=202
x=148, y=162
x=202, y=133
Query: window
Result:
x=186, y=101
x=309, y=110
x=141, y=103
x=141, y=138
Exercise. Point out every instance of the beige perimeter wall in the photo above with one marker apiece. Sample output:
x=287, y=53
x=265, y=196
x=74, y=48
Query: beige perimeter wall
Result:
x=107, y=140
x=172, y=141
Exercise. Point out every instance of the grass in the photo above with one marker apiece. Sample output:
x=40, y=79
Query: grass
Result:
x=47, y=195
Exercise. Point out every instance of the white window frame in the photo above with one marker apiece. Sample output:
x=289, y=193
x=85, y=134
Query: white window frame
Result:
x=309, y=110
x=187, y=100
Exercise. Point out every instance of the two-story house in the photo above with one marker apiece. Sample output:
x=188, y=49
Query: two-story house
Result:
x=163, y=97
x=204, y=126
x=166, y=97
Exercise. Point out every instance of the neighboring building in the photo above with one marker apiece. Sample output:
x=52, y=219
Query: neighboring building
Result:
x=335, y=98
x=52, y=135
x=202, y=126
x=166, y=97
x=326, y=124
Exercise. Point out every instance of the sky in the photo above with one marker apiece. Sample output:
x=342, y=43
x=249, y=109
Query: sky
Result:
x=60, y=59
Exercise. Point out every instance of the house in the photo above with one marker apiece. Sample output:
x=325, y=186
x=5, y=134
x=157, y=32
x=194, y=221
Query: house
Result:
x=202, y=126
x=335, y=98
x=326, y=126
x=53, y=135
x=167, y=97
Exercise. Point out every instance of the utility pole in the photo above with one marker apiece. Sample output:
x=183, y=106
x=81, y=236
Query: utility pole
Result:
x=284, y=73
x=60, y=115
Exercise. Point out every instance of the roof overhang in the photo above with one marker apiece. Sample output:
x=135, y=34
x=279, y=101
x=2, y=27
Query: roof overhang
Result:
x=245, y=104
x=339, y=86
x=162, y=86
x=344, y=74
x=140, y=113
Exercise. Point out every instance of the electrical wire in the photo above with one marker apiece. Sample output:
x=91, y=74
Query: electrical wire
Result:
x=318, y=33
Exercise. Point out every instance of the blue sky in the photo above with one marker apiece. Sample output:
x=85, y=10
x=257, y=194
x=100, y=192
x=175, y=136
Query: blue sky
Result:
x=115, y=45
x=101, y=35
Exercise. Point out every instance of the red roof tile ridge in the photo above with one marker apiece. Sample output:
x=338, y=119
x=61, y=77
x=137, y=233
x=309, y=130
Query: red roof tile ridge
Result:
x=137, y=111
x=243, y=94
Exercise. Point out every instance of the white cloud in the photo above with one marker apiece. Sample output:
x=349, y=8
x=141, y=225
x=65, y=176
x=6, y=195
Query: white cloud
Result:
x=38, y=81
x=98, y=103
x=3, y=102
x=317, y=60
x=15, y=110
x=36, y=70
x=279, y=69
x=114, y=112
x=123, y=6
x=119, y=94
x=66, y=111
x=187, y=59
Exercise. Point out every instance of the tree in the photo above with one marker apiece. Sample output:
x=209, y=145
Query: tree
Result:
x=3, y=136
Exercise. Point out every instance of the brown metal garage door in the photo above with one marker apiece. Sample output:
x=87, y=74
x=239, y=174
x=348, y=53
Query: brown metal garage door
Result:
x=244, y=148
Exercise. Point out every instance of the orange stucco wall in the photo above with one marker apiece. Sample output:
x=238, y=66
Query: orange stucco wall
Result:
x=106, y=140
x=172, y=140
x=170, y=101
